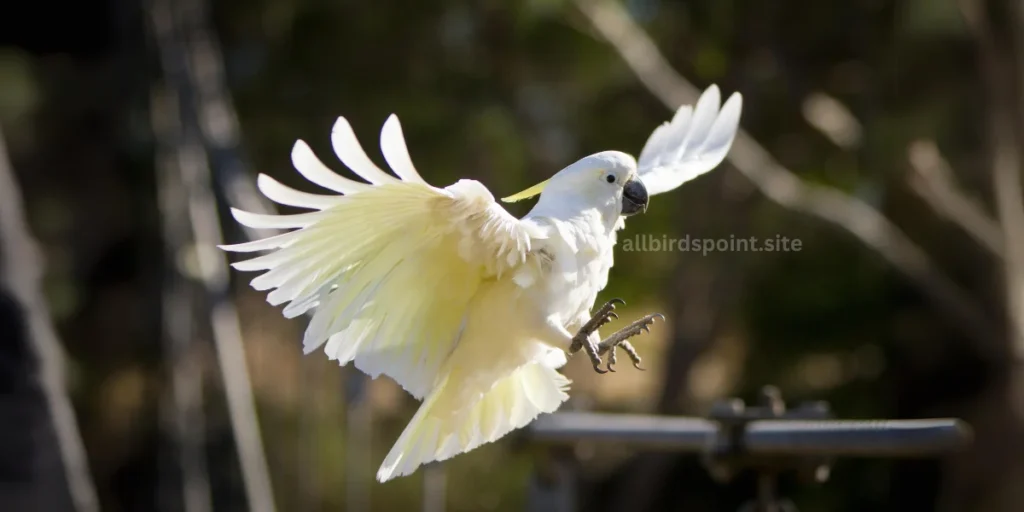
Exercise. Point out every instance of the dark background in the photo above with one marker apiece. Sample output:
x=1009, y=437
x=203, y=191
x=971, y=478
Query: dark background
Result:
x=908, y=315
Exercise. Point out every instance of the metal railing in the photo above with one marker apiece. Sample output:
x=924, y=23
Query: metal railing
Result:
x=766, y=438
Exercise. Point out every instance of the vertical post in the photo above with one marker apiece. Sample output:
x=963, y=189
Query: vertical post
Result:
x=767, y=492
x=358, y=438
x=553, y=484
x=307, y=481
x=435, y=482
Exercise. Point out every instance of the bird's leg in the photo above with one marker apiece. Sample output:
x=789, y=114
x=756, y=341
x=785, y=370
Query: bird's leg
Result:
x=620, y=339
x=604, y=315
x=582, y=339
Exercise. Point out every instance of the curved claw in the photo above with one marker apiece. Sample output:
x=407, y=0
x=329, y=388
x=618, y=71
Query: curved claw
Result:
x=659, y=315
x=599, y=370
x=637, y=366
x=611, y=367
x=620, y=301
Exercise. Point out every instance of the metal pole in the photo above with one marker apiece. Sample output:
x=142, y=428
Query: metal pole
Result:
x=866, y=438
x=767, y=439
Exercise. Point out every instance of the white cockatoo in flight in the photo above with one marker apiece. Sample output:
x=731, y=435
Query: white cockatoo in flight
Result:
x=468, y=308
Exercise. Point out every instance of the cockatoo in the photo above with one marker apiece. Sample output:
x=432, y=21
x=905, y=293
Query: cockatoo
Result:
x=469, y=309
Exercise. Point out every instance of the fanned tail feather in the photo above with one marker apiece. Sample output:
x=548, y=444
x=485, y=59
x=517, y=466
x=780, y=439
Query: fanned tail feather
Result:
x=443, y=428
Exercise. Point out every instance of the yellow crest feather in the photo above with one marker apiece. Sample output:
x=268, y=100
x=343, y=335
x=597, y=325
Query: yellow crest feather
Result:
x=528, y=193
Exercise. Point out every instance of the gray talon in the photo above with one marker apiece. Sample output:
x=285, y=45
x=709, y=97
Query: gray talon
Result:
x=640, y=326
x=633, y=356
x=610, y=344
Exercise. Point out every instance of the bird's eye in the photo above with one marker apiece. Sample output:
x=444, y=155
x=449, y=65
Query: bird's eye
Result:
x=610, y=178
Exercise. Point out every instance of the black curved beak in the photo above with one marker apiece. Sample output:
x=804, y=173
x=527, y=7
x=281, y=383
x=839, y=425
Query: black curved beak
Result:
x=634, y=197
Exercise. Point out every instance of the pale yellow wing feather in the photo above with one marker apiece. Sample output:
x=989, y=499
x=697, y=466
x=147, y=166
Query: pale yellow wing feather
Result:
x=388, y=269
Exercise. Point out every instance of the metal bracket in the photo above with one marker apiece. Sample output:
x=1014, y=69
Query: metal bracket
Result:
x=728, y=456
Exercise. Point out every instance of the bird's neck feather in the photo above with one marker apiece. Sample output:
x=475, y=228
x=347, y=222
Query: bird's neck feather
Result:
x=603, y=219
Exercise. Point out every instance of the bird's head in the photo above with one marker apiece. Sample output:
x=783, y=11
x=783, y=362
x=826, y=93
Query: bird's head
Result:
x=606, y=180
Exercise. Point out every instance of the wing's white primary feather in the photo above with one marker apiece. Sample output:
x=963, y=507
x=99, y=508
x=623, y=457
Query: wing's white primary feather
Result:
x=388, y=269
x=283, y=194
x=347, y=147
x=392, y=144
x=311, y=168
x=695, y=141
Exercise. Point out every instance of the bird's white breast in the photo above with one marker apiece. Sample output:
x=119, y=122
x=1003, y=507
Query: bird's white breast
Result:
x=577, y=256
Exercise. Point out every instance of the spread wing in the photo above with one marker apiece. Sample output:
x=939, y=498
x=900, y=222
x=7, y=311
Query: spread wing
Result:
x=387, y=267
x=695, y=141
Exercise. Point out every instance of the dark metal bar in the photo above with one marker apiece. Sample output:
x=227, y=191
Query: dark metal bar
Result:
x=663, y=432
x=889, y=438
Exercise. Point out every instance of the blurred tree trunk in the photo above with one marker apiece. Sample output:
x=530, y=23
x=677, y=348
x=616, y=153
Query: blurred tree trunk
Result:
x=988, y=478
x=30, y=464
x=198, y=116
x=42, y=460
